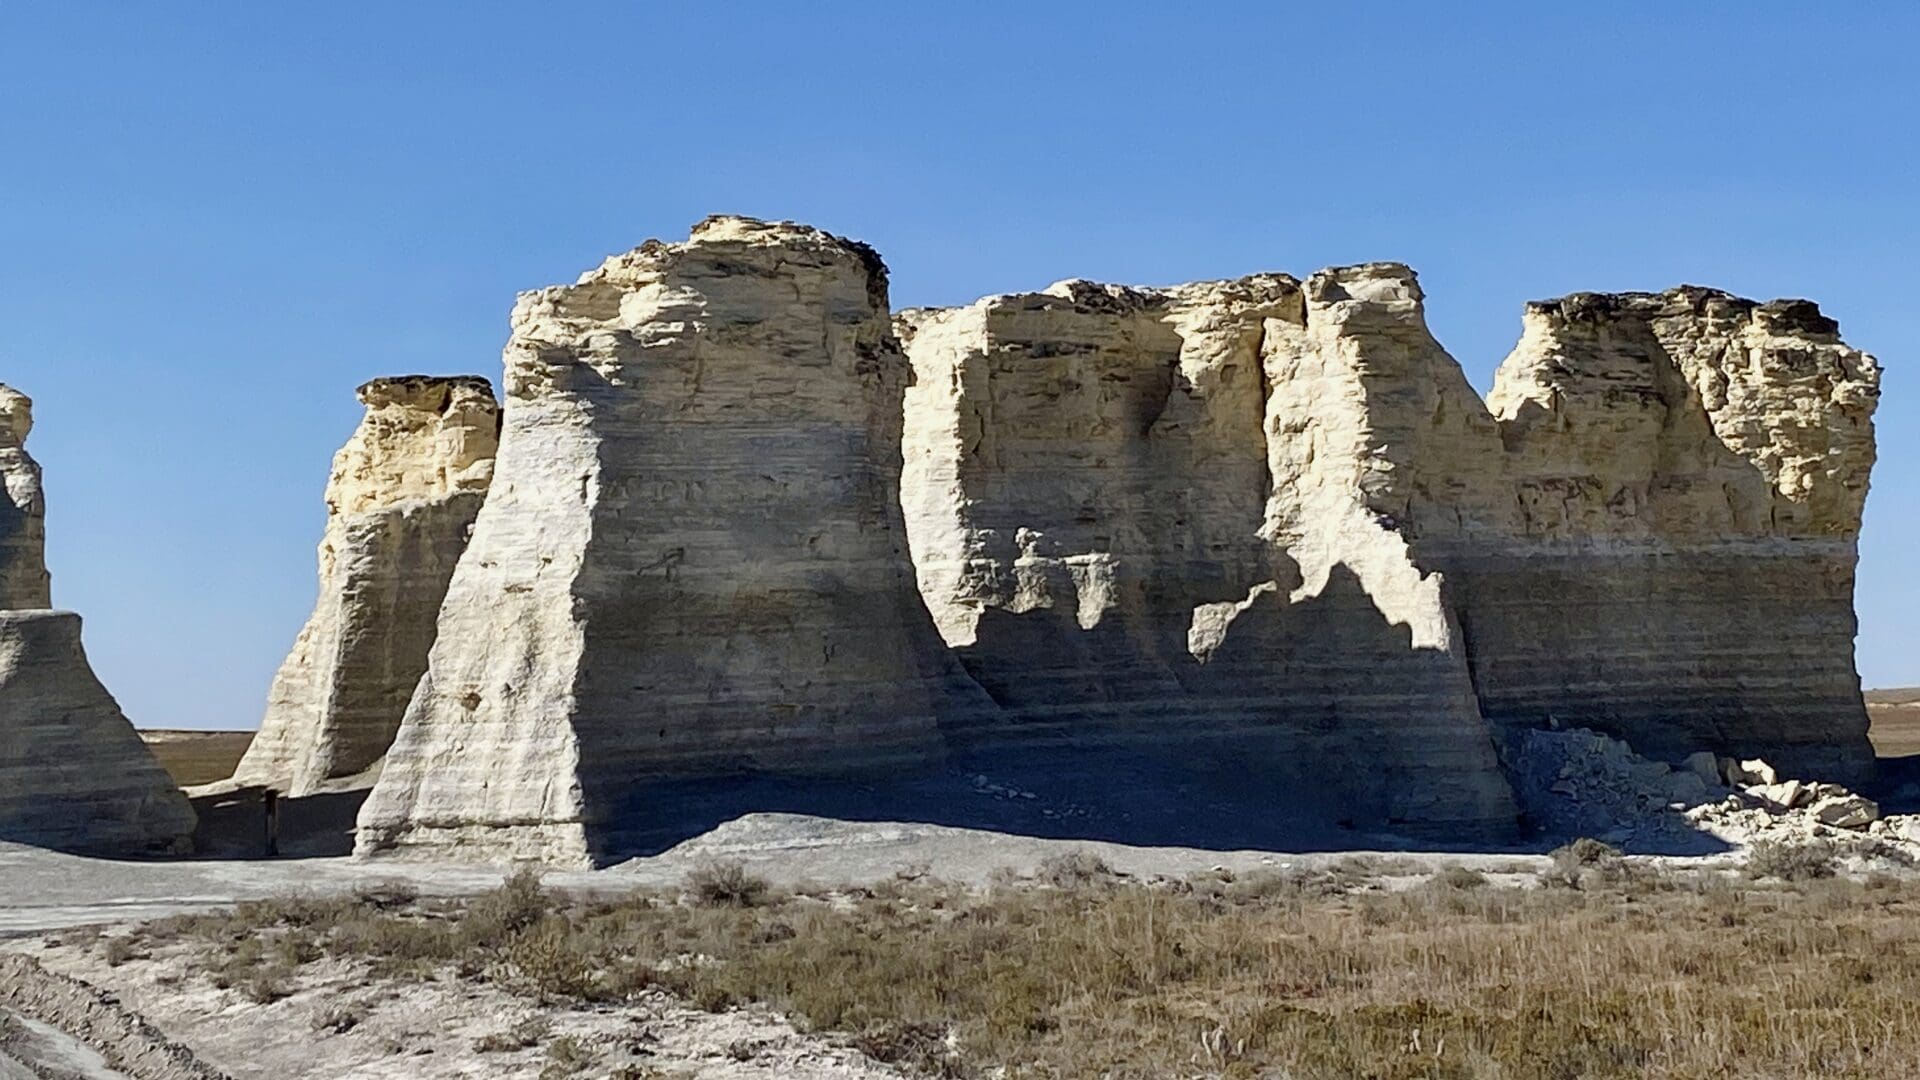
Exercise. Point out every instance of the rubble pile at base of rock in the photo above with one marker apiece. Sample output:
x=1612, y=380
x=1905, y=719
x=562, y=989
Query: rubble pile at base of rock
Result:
x=1584, y=783
x=401, y=500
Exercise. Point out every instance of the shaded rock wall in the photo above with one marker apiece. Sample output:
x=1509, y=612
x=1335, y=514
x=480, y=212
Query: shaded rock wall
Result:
x=24, y=583
x=74, y=775
x=1649, y=528
x=401, y=500
x=692, y=561
x=73, y=772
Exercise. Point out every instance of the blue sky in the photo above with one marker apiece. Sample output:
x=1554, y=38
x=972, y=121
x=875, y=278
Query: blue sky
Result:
x=216, y=219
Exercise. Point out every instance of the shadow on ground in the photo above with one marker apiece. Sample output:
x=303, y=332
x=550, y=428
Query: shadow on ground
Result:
x=234, y=825
x=1100, y=798
x=1118, y=797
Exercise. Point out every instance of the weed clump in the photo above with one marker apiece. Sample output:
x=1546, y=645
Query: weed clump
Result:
x=1790, y=861
x=726, y=885
x=1581, y=863
x=1078, y=869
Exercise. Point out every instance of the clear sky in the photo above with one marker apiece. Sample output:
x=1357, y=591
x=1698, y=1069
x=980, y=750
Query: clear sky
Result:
x=216, y=219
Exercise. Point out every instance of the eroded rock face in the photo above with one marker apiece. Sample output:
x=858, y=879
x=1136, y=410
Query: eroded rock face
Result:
x=691, y=563
x=1689, y=470
x=74, y=774
x=1649, y=530
x=24, y=583
x=1261, y=534
x=1145, y=517
x=400, y=503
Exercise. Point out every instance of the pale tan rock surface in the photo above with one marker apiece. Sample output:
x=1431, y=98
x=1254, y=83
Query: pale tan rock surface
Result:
x=1648, y=531
x=23, y=526
x=1151, y=517
x=691, y=562
x=1690, y=469
x=73, y=773
x=401, y=501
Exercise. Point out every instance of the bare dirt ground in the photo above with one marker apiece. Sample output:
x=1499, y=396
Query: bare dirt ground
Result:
x=42, y=890
x=338, y=1021
x=1594, y=965
x=198, y=757
x=781, y=969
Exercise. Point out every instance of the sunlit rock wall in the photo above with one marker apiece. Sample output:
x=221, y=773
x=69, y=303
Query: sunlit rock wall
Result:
x=1689, y=470
x=401, y=500
x=691, y=562
x=1145, y=517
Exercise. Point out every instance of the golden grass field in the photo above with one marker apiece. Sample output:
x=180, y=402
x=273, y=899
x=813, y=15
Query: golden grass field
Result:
x=198, y=757
x=1598, y=968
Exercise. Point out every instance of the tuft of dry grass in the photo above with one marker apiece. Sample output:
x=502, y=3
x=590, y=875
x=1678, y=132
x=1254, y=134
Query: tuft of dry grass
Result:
x=1787, y=861
x=1307, y=975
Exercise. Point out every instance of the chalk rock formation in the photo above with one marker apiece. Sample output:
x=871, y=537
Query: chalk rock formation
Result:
x=23, y=528
x=1153, y=517
x=692, y=561
x=73, y=773
x=1689, y=469
x=1650, y=532
x=402, y=498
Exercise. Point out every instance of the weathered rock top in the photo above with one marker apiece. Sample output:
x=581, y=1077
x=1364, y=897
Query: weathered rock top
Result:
x=16, y=418
x=424, y=437
x=24, y=582
x=403, y=497
x=1690, y=413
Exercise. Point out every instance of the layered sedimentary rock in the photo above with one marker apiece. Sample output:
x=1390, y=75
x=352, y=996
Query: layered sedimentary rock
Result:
x=74, y=774
x=692, y=560
x=1151, y=517
x=1689, y=470
x=1304, y=520
x=23, y=528
x=401, y=501
x=1261, y=532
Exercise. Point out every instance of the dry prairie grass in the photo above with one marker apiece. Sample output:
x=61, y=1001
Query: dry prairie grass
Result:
x=1614, y=974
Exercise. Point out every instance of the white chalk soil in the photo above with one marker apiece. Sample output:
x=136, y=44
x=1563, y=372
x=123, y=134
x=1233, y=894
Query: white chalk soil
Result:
x=339, y=1023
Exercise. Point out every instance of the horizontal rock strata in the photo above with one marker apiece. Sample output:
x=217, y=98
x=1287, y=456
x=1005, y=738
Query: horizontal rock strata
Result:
x=1088, y=490
x=692, y=561
x=1690, y=470
x=1650, y=532
x=74, y=774
x=401, y=501
x=1260, y=534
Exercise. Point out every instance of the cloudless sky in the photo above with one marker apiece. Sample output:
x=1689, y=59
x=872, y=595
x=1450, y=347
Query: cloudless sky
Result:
x=216, y=219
